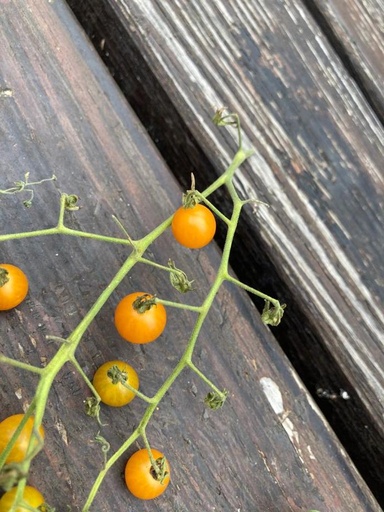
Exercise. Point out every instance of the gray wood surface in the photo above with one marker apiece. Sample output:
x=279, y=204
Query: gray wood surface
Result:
x=269, y=449
x=318, y=163
x=357, y=28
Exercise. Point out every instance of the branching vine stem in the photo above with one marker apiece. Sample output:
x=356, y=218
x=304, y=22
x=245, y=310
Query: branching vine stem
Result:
x=68, y=346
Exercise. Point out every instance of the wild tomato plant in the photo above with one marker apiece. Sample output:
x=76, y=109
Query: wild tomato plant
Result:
x=139, y=318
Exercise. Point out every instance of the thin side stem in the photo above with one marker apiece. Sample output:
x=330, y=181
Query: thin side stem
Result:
x=21, y=365
x=203, y=377
x=149, y=451
x=79, y=369
x=249, y=289
x=212, y=207
x=179, y=305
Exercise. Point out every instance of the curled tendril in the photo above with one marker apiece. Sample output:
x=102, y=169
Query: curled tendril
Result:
x=105, y=446
x=26, y=186
x=71, y=201
x=215, y=400
x=272, y=315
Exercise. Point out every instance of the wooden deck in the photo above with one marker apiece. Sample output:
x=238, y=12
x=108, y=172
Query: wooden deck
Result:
x=300, y=432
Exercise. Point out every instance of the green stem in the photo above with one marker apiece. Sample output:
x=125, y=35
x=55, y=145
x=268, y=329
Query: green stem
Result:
x=213, y=208
x=249, y=289
x=58, y=339
x=60, y=221
x=179, y=305
x=204, y=378
x=22, y=366
x=148, y=448
x=102, y=238
x=81, y=372
x=29, y=234
x=141, y=395
x=156, y=265
x=63, y=230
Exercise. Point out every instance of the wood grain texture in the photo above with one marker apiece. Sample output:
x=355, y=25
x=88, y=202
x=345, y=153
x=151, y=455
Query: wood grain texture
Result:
x=270, y=448
x=357, y=29
x=318, y=163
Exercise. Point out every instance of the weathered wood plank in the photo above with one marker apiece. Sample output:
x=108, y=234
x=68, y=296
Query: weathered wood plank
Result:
x=357, y=28
x=62, y=113
x=318, y=164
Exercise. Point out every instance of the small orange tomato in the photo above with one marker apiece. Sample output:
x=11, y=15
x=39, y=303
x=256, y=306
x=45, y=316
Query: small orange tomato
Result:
x=31, y=497
x=13, y=286
x=140, y=476
x=143, y=324
x=8, y=428
x=194, y=227
x=109, y=381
